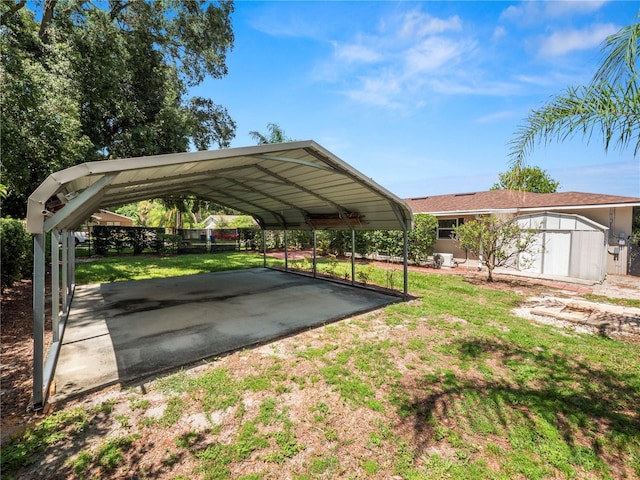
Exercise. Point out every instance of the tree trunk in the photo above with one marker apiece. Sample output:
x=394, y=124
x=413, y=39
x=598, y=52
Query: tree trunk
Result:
x=47, y=16
x=14, y=7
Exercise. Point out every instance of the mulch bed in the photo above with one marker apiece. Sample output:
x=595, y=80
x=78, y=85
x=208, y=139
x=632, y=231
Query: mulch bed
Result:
x=16, y=354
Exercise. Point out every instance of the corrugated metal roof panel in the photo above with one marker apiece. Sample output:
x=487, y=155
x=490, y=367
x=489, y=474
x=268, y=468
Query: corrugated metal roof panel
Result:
x=281, y=184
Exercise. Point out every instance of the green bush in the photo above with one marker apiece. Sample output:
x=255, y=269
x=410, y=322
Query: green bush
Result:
x=101, y=239
x=17, y=254
x=167, y=244
x=421, y=240
x=118, y=237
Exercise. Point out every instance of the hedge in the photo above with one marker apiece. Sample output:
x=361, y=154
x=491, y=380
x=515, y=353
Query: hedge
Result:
x=16, y=251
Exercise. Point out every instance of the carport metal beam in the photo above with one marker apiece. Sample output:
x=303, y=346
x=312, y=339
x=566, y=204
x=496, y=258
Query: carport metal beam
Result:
x=67, y=216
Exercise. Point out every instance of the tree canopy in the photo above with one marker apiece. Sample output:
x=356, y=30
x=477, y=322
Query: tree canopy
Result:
x=100, y=80
x=609, y=104
x=526, y=179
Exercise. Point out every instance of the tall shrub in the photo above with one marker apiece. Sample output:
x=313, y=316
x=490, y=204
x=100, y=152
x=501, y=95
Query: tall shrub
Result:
x=497, y=241
x=16, y=251
x=422, y=238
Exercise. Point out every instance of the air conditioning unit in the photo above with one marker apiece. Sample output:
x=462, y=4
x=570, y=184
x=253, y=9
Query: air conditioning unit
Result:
x=447, y=259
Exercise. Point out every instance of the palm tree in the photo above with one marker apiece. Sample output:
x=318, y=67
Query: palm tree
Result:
x=276, y=135
x=609, y=104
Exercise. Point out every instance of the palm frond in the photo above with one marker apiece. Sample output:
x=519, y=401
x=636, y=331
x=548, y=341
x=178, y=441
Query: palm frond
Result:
x=612, y=110
x=620, y=62
x=610, y=104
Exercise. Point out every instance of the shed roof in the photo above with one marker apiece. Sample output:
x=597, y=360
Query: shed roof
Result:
x=296, y=185
x=510, y=200
x=559, y=222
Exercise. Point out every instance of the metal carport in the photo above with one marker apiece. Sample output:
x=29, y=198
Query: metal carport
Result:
x=289, y=186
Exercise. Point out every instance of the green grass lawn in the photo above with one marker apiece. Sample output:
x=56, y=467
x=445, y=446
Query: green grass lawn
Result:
x=450, y=385
x=117, y=269
x=140, y=267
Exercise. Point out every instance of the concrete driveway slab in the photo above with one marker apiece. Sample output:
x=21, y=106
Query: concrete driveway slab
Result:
x=119, y=332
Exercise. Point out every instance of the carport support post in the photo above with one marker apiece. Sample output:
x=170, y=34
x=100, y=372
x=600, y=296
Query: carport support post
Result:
x=71, y=276
x=65, y=261
x=315, y=243
x=264, y=248
x=55, y=286
x=38, y=319
x=353, y=256
x=406, y=264
x=286, y=251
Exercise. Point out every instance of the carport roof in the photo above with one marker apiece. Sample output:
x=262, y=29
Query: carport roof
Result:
x=296, y=185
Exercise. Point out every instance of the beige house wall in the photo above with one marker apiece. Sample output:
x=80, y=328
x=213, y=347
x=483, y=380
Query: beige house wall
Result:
x=617, y=219
x=111, y=219
x=460, y=255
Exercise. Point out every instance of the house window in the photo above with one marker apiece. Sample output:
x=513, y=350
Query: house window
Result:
x=446, y=226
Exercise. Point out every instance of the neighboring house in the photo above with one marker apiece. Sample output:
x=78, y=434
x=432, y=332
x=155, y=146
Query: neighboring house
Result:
x=582, y=235
x=105, y=217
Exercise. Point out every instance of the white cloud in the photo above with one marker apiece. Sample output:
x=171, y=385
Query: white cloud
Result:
x=563, y=42
x=377, y=91
x=537, y=80
x=434, y=53
x=466, y=86
x=416, y=24
x=392, y=66
x=536, y=11
x=408, y=59
x=356, y=53
x=495, y=117
x=568, y=7
x=498, y=33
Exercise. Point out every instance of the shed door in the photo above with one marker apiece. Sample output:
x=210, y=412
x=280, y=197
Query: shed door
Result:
x=557, y=253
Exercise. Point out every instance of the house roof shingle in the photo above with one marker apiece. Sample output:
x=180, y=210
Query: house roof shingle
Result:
x=494, y=200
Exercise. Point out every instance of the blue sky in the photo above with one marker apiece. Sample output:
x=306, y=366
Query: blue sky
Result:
x=423, y=97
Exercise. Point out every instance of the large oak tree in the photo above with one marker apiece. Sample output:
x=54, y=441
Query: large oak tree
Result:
x=99, y=80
